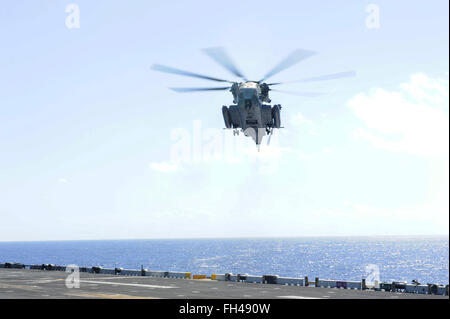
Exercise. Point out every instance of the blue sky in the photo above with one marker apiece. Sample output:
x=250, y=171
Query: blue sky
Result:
x=86, y=128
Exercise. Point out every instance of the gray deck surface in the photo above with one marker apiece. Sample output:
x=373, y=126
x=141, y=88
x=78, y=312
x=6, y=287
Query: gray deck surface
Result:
x=17, y=283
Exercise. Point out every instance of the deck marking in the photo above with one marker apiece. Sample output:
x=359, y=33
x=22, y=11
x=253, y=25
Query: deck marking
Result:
x=125, y=284
x=298, y=297
x=108, y=296
x=43, y=281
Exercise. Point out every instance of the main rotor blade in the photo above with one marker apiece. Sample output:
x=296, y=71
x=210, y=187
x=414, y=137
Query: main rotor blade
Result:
x=295, y=57
x=167, y=69
x=220, y=56
x=306, y=94
x=185, y=90
x=326, y=77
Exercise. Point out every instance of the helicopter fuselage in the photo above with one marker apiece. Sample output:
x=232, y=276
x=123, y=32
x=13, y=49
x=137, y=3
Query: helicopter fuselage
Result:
x=250, y=112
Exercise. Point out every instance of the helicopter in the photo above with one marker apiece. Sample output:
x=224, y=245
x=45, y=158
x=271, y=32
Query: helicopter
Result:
x=251, y=112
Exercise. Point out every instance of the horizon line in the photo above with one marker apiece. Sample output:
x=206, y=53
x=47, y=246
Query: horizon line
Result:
x=231, y=237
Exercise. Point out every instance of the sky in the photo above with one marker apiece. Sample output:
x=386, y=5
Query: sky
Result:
x=95, y=146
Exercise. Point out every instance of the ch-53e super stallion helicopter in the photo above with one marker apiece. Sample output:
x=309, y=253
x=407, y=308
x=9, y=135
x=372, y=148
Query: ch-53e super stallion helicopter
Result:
x=250, y=111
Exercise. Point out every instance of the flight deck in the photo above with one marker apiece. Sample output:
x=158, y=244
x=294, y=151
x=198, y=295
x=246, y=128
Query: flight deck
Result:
x=38, y=284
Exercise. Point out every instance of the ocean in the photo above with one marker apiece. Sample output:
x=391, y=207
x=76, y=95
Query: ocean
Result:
x=425, y=259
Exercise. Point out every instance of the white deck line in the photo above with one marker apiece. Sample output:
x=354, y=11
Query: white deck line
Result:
x=125, y=284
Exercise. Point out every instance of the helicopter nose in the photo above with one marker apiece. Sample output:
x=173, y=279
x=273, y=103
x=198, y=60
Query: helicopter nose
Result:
x=248, y=93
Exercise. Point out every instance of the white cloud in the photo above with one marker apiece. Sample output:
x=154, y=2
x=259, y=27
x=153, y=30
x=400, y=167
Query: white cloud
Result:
x=300, y=118
x=413, y=119
x=164, y=167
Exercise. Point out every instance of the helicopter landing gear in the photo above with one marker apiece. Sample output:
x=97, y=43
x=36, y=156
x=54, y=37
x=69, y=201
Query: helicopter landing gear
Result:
x=269, y=131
